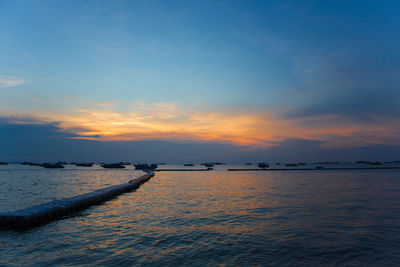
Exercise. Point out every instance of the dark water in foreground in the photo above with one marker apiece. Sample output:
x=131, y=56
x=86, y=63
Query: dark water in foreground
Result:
x=209, y=218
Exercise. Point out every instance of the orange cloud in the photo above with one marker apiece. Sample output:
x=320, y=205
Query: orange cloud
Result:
x=233, y=125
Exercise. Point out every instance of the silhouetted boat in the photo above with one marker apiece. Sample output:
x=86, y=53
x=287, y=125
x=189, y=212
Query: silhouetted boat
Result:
x=113, y=166
x=248, y=164
x=369, y=162
x=30, y=163
x=188, y=164
x=326, y=162
x=84, y=164
x=208, y=164
x=291, y=165
x=51, y=165
x=361, y=162
x=263, y=165
x=375, y=163
x=145, y=166
x=3, y=163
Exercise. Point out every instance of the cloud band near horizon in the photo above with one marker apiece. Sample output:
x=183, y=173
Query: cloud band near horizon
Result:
x=239, y=126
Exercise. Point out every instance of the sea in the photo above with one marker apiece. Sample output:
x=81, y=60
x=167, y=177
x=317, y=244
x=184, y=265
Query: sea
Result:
x=213, y=218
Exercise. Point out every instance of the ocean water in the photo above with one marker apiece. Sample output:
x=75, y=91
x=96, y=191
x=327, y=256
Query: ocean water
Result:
x=288, y=218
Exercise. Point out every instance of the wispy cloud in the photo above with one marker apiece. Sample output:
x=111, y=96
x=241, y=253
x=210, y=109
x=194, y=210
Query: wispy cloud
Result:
x=7, y=81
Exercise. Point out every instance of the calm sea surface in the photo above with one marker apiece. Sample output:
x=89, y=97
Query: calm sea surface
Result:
x=349, y=218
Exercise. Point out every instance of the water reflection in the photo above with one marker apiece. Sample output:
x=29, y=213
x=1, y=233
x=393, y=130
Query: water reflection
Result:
x=25, y=186
x=232, y=218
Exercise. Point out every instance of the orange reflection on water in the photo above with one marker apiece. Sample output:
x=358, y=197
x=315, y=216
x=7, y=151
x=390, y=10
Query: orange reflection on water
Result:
x=190, y=203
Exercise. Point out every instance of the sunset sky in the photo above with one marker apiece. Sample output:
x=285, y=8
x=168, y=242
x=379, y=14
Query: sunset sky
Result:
x=182, y=81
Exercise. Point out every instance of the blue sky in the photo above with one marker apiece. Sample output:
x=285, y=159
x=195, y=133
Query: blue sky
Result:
x=316, y=68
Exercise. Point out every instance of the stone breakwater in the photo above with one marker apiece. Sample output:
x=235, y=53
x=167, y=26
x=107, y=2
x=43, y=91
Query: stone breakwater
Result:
x=56, y=209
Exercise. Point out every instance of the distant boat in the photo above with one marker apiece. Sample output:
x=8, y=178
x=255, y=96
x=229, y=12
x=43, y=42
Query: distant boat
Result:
x=145, y=166
x=30, y=163
x=248, y=164
x=375, y=163
x=369, y=162
x=113, y=166
x=84, y=164
x=263, y=165
x=3, y=163
x=188, y=164
x=291, y=165
x=51, y=165
x=326, y=162
x=208, y=164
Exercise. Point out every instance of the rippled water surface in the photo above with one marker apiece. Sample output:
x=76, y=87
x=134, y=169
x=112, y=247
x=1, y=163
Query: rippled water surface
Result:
x=208, y=218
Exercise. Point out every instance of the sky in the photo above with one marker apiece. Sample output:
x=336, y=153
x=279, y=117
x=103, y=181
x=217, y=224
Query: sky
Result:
x=178, y=81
